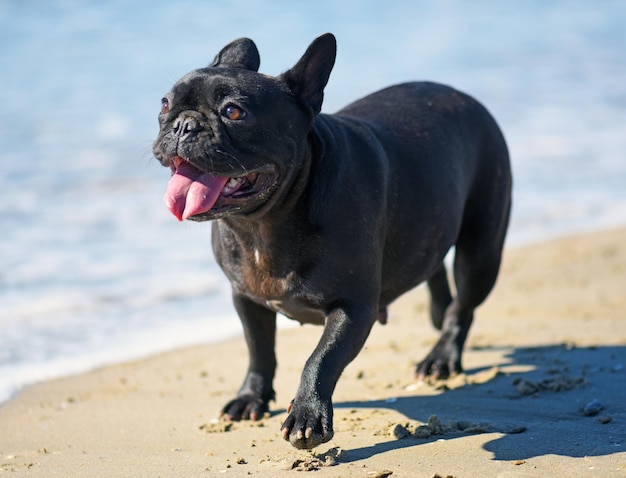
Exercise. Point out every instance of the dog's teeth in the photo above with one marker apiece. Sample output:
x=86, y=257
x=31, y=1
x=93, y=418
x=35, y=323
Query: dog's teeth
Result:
x=232, y=185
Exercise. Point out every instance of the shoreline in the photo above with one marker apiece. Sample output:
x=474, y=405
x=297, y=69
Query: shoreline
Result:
x=64, y=366
x=548, y=341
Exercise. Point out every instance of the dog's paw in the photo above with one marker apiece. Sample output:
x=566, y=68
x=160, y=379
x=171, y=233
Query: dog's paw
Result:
x=438, y=366
x=432, y=368
x=245, y=407
x=443, y=361
x=309, y=424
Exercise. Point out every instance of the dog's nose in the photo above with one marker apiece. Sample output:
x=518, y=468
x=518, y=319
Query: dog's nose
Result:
x=185, y=125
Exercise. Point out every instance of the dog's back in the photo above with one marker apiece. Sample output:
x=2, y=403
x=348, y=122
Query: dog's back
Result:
x=435, y=159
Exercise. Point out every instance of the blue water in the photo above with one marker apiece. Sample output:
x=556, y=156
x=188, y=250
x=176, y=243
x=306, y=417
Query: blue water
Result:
x=95, y=269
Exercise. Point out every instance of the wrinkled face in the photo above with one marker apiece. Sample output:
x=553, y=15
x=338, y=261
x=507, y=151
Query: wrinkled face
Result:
x=232, y=139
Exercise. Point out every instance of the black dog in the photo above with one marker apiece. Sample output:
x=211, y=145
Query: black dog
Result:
x=328, y=218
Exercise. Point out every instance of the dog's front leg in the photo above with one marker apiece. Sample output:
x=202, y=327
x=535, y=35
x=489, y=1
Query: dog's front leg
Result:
x=310, y=420
x=259, y=326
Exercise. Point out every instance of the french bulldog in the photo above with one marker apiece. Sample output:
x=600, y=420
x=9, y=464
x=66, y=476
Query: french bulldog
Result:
x=327, y=218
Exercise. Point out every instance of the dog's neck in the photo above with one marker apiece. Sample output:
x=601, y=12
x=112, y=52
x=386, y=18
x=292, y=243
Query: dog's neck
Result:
x=285, y=215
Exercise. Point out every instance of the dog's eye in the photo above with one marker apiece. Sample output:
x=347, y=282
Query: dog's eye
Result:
x=165, y=106
x=234, y=113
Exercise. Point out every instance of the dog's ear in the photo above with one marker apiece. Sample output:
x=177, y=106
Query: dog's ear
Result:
x=309, y=76
x=240, y=53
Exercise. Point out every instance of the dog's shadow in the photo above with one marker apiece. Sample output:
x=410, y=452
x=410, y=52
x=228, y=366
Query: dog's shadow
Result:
x=533, y=413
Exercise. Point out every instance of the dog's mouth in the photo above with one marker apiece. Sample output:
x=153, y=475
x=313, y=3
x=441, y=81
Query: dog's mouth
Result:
x=201, y=195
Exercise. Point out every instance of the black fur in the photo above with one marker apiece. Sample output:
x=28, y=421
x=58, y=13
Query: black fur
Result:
x=346, y=212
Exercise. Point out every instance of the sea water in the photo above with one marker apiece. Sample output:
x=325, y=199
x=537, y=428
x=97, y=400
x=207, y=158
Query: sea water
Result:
x=94, y=269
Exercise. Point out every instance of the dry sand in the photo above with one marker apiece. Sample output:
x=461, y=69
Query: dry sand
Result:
x=549, y=341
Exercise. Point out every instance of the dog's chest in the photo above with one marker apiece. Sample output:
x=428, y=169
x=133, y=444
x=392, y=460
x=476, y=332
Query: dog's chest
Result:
x=281, y=289
x=258, y=275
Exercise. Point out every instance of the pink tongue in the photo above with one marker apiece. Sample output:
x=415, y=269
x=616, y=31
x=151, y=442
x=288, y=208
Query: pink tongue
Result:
x=191, y=191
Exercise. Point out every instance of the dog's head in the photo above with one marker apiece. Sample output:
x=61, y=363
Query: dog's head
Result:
x=235, y=138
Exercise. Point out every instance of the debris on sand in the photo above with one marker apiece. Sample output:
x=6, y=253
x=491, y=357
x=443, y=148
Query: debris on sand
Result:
x=559, y=383
x=379, y=474
x=314, y=461
x=435, y=427
x=216, y=427
x=593, y=408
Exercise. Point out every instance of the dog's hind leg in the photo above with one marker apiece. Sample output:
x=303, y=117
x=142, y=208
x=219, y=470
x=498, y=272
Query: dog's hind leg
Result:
x=440, y=296
x=476, y=264
x=475, y=273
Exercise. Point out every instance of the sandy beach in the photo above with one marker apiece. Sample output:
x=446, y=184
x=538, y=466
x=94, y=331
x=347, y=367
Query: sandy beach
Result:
x=543, y=393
